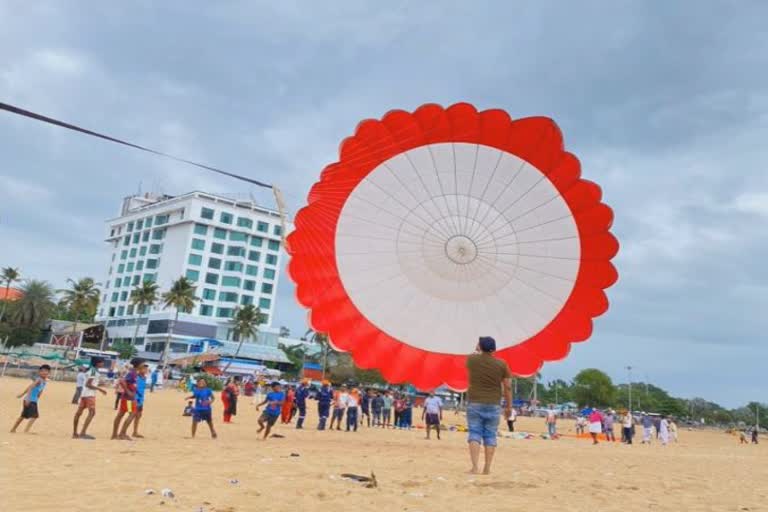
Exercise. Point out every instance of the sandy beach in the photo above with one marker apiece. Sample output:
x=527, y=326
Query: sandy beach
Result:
x=50, y=471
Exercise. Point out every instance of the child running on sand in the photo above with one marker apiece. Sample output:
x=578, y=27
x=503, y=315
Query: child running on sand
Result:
x=203, y=397
x=189, y=409
x=31, y=395
x=268, y=418
x=141, y=386
x=88, y=399
x=127, y=384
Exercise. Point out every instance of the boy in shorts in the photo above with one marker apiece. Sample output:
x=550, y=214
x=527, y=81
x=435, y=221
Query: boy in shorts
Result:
x=203, y=397
x=433, y=412
x=88, y=399
x=31, y=395
x=274, y=399
x=128, y=404
x=141, y=386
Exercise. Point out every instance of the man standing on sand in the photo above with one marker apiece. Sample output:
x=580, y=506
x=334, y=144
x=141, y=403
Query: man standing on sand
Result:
x=88, y=399
x=488, y=378
x=79, y=384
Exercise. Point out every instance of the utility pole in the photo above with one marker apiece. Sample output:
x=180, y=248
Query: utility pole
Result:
x=629, y=380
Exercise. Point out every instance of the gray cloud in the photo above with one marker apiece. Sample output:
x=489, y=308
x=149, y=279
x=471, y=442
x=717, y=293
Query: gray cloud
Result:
x=666, y=106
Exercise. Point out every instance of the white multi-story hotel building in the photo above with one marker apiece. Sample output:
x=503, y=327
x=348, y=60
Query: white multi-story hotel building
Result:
x=230, y=249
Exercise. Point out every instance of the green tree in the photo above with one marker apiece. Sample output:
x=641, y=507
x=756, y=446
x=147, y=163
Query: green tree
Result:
x=34, y=307
x=321, y=340
x=296, y=354
x=9, y=276
x=124, y=349
x=182, y=297
x=246, y=324
x=592, y=387
x=82, y=298
x=143, y=297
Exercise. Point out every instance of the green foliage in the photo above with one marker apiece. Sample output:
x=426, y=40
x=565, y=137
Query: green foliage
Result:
x=34, y=308
x=593, y=387
x=81, y=298
x=144, y=295
x=181, y=296
x=124, y=349
x=296, y=354
x=19, y=335
x=213, y=382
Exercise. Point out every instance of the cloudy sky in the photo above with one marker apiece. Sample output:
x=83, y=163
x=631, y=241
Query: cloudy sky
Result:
x=666, y=104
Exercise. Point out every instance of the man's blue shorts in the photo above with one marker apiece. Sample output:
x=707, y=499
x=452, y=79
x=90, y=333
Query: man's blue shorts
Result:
x=483, y=423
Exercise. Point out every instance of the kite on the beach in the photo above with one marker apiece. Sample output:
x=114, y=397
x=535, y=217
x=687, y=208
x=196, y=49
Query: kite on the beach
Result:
x=442, y=225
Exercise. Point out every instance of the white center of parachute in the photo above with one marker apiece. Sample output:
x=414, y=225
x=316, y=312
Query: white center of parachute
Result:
x=447, y=242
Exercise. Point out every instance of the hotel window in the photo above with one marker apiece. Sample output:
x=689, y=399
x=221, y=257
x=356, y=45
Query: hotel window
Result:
x=201, y=229
x=143, y=251
x=274, y=245
x=263, y=227
x=271, y=259
x=111, y=311
x=246, y=300
x=130, y=309
x=133, y=252
x=121, y=268
x=269, y=273
x=277, y=230
x=265, y=303
x=136, y=279
x=211, y=278
x=254, y=255
x=220, y=233
x=193, y=275
x=150, y=278
x=148, y=222
x=217, y=248
x=121, y=311
x=145, y=236
x=124, y=296
x=230, y=281
x=155, y=248
x=228, y=297
x=256, y=241
x=129, y=268
x=127, y=239
x=238, y=237
x=225, y=218
x=252, y=270
x=206, y=213
x=136, y=237
x=233, y=266
x=151, y=263
x=244, y=223
x=235, y=251
x=249, y=285
x=118, y=282
x=161, y=219
x=195, y=259
x=198, y=245
x=139, y=224
x=214, y=263
x=158, y=234
x=209, y=294
x=267, y=288
x=224, y=313
x=115, y=297
x=140, y=265
x=206, y=310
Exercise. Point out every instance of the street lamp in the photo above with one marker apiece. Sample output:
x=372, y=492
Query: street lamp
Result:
x=629, y=379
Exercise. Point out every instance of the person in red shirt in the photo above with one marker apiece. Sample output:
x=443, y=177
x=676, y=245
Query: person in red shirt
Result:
x=595, y=424
x=229, y=398
x=287, y=410
x=128, y=403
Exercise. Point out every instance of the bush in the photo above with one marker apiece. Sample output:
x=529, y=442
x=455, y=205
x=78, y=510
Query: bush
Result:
x=213, y=382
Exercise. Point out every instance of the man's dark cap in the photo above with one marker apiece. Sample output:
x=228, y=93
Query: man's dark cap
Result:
x=487, y=344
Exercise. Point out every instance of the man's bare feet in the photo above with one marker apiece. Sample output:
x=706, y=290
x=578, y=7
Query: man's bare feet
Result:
x=214, y=435
x=473, y=471
x=138, y=436
x=486, y=471
x=124, y=437
x=113, y=438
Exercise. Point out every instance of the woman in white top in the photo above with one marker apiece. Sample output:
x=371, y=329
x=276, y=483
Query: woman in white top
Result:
x=511, y=419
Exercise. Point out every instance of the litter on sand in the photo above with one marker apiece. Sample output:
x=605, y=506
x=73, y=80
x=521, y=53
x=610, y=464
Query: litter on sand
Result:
x=149, y=491
x=167, y=493
x=369, y=481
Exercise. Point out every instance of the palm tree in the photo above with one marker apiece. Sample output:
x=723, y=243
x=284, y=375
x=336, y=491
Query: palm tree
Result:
x=143, y=297
x=247, y=320
x=325, y=347
x=182, y=297
x=9, y=276
x=34, y=307
x=81, y=298
x=296, y=354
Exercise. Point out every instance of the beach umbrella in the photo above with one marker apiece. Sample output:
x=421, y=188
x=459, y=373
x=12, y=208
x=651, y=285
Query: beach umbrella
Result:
x=442, y=225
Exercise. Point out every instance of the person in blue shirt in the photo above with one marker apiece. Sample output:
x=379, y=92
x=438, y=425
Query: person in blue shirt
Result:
x=31, y=396
x=274, y=401
x=302, y=392
x=324, y=399
x=141, y=387
x=153, y=379
x=203, y=397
